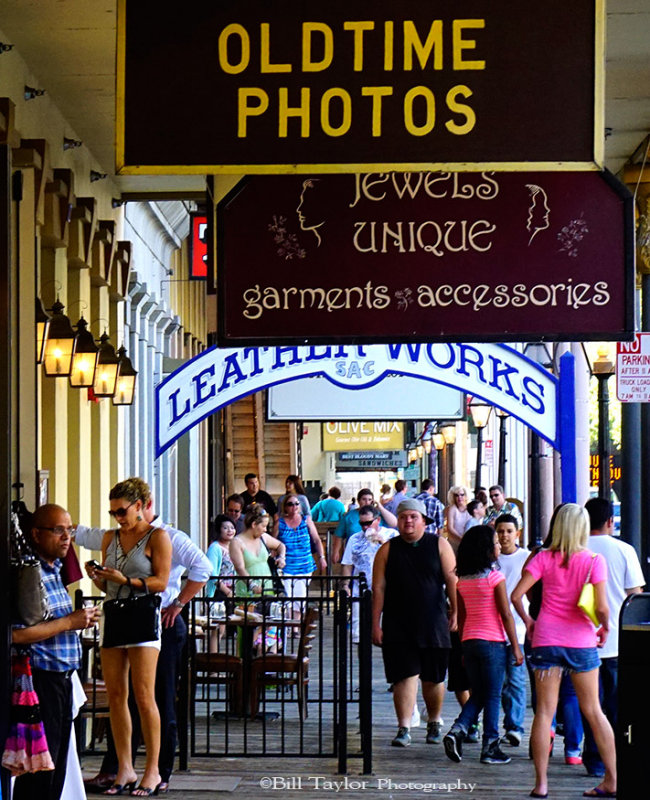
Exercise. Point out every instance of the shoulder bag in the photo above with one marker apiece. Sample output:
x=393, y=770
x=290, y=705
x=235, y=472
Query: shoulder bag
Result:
x=587, y=599
x=132, y=619
x=30, y=604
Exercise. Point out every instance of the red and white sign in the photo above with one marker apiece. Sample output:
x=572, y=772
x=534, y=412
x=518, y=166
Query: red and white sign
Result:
x=199, y=247
x=633, y=370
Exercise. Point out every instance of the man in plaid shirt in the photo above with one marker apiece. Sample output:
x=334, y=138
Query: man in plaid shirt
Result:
x=433, y=506
x=55, y=652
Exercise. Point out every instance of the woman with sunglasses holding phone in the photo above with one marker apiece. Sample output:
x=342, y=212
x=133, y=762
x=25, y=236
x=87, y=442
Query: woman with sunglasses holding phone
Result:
x=299, y=535
x=136, y=556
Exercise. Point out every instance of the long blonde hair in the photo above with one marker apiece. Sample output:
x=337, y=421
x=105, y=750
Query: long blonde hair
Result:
x=570, y=531
x=451, y=495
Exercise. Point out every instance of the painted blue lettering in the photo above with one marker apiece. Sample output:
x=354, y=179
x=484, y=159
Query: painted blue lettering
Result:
x=341, y=352
x=340, y=368
x=255, y=352
x=439, y=347
x=470, y=356
x=536, y=391
x=368, y=368
x=280, y=352
x=232, y=371
x=173, y=403
x=314, y=355
x=503, y=372
x=354, y=371
x=361, y=351
x=200, y=382
x=413, y=351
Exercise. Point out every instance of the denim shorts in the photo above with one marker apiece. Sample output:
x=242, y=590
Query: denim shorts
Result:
x=571, y=659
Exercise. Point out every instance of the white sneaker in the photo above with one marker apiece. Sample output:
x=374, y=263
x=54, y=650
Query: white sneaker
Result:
x=415, y=717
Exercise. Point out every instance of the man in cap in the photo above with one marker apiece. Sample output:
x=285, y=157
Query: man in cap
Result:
x=413, y=577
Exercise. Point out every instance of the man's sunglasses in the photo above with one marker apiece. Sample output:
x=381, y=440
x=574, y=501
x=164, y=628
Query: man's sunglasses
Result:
x=121, y=512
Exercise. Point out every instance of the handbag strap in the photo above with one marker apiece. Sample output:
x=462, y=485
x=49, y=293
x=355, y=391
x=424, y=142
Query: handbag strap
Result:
x=591, y=564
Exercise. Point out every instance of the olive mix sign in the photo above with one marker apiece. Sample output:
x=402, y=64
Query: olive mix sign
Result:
x=425, y=256
x=249, y=86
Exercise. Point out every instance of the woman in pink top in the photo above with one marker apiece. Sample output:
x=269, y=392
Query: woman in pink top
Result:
x=483, y=613
x=564, y=639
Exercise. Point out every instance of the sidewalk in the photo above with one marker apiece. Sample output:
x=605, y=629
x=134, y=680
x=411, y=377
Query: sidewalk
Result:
x=399, y=773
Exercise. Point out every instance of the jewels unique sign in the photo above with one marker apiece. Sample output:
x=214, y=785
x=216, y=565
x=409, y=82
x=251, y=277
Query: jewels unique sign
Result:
x=246, y=86
x=425, y=256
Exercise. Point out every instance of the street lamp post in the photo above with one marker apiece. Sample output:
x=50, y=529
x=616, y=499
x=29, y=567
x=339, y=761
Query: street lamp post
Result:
x=603, y=369
x=503, y=433
x=480, y=412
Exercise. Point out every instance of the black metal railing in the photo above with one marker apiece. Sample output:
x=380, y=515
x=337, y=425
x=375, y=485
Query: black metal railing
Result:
x=266, y=674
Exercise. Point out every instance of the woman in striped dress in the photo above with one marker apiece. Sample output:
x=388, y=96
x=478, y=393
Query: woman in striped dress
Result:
x=299, y=535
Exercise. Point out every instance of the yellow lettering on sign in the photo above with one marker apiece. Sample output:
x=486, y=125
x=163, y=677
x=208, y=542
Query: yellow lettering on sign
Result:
x=413, y=44
x=265, y=52
x=460, y=44
x=460, y=108
x=346, y=116
x=285, y=111
x=388, y=44
x=358, y=28
x=376, y=93
x=308, y=29
x=246, y=110
x=244, y=46
x=409, y=122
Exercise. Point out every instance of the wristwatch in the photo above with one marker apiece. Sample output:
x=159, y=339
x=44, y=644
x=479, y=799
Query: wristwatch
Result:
x=176, y=602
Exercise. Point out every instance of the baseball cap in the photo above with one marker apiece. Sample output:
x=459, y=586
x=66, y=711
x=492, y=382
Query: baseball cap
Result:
x=411, y=504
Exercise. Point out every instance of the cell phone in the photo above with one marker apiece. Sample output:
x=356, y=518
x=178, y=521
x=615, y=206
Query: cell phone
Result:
x=94, y=564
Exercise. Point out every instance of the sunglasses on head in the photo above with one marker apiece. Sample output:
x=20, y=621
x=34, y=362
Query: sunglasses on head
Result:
x=121, y=512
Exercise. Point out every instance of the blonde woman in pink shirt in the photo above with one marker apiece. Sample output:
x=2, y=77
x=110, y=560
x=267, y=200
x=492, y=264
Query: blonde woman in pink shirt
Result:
x=484, y=619
x=565, y=640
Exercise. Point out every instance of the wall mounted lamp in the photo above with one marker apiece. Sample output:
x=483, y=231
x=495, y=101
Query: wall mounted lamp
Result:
x=97, y=176
x=59, y=345
x=106, y=370
x=126, y=376
x=449, y=434
x=5, y=48
x=84, y=357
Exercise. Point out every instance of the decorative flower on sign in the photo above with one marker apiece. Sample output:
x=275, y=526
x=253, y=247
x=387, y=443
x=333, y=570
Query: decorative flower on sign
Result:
x=570, y=235
x=287, y=243
x=404, y=298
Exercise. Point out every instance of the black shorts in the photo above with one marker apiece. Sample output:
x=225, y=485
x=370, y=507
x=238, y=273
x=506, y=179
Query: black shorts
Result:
x=458, y=680
x=402, y=660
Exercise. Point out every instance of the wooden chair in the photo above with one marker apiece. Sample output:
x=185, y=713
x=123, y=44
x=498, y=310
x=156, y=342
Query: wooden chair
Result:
x=286, y=669
x=95, y=708
x=220, y=669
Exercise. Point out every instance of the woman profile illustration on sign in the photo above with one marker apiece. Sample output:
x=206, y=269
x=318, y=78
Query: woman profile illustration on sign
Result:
x=308, y=212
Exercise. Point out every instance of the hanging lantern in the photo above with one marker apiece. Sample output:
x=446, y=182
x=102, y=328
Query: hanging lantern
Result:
x=125, y=386
x=42, y=328
x=84, y=357
x=106, y=370
x=59, y=345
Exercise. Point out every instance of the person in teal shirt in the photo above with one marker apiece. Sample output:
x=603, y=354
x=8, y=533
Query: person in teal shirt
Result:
x=331, y=509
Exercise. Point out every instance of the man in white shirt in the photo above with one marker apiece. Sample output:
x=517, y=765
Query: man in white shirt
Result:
x=186, y=556
x=513, y=694
x=624, y=577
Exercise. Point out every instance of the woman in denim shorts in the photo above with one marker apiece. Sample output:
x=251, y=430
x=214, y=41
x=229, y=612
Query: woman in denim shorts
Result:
x=565, y=640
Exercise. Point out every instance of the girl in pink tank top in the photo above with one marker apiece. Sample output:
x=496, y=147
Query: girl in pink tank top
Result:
x=484, y=619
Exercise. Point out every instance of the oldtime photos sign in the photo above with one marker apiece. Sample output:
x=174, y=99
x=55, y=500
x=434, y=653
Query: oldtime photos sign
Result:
x=424, y=256
x=251, y=86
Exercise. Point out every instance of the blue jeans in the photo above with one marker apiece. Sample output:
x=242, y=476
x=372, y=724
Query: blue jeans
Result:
x=513, y=695
x=608, y=690
x=485, y=664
